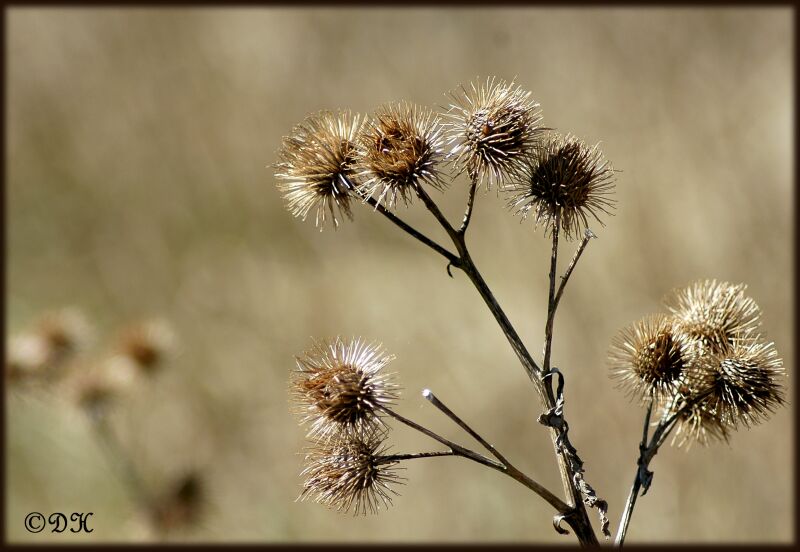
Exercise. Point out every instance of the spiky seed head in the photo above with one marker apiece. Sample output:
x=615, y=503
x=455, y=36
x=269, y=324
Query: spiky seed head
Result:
x=492, y=128
x=66, y=330
x=182, y=505
x=349, y=471
x=400, y=150
x=568, y=178
x=315, y=171
x=698, y=424
x=715, y=314
x=647, y=357
x=42, y=351
x=341, y=386
x=146, y=345
x=745, y=381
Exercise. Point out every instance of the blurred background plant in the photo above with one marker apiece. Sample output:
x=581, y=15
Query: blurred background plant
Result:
x=137, y=181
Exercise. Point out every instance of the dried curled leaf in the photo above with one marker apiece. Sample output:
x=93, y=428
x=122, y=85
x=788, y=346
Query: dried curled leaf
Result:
x=555, y=418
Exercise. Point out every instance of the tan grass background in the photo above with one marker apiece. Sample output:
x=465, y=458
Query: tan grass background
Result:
x=138, y=142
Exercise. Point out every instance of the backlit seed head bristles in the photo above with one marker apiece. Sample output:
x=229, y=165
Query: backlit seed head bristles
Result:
x=745, y=382
x=41, y=352
x=341, y=387
x=647, y=357
x=315, y=171
x=348, y=472
x=699, y=424
x=493, y=128
x=400, y=149
x=715, y=313
x=565, y=177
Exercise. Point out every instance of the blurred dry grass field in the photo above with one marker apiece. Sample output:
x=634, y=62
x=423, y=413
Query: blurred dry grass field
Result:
x=138, y=145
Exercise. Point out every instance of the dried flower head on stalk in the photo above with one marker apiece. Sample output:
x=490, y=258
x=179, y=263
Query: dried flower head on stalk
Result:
x=182, y=506
x=493, y=128
x=340, y=387
x=316, y=165
x=146, y=345
x=400, y=149
x=647, y=357
x=348, y=471
x=54, y=338
x=744, y=380
x=715, y=314
x=564, y=176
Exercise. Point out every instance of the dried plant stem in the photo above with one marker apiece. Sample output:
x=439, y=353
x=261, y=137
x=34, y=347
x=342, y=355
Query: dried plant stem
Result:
x=579, y=519
x=551, y=299
x=457, y=450
x=504, y=466
x=513, y=472
x=428, y=394
x=411, y=231
x=588, y=235
x=411, y=456
x=118, y=457
x=648, y=450
x=470, y=203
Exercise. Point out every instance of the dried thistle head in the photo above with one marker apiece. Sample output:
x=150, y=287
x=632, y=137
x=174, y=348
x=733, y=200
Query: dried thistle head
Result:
x=65, y=331
x=744, y=380
x=146, y=345
x=351, y=471
x=493, y=128
x=647, y=358
x=564, y=177
x=399, y=151
x=697, y=424
x=96, y=389
x=341, y=386
x=715, y=314
x=315, y=171
x=40, y=352
x=182, y=505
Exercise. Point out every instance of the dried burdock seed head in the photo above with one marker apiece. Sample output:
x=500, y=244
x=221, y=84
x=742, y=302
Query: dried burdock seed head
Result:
x=182, y=506
x=564, y=177
x=96, y=389
x=698, y=424
x=146, y=345
x=315, y=171
x=400, y=150
x=715, y=314
x=41, y=351
x=493, y=127
x=341, y=387
x=65, y=331
x=351, y=471
x=744, y=379
x=647, y=358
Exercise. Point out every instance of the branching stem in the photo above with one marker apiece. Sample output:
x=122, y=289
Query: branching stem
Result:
x=648, y=450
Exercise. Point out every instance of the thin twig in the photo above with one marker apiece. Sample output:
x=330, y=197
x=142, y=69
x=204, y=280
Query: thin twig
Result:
x=510, y=469
x=470, y=202
x=646, y=455
x=452, y=259
x=411, y=456
x=637, y=481
x=551, y=299
x=458, y=450
x=117, y=455
x=588, y=235
x=428, y=394
x=578, y=518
